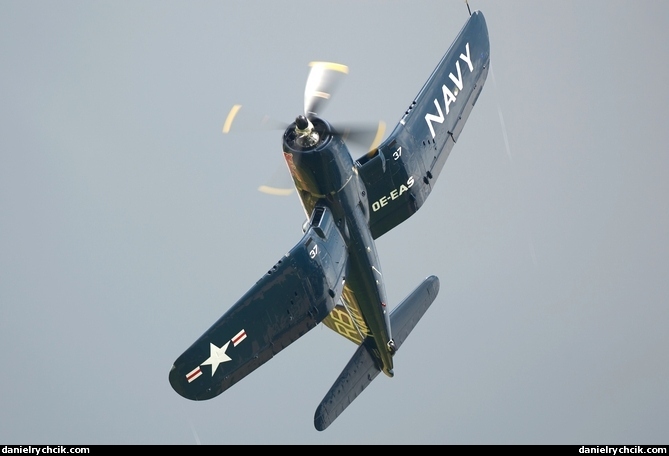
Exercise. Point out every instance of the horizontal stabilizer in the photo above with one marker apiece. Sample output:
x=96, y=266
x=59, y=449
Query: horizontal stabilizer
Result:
x=404, y=317
x=362, y=368
x=358, y=373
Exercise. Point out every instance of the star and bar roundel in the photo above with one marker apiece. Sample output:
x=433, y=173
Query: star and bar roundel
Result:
x=217, y=355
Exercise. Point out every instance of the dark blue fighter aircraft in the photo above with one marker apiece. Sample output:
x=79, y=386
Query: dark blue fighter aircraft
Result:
x=333, y=275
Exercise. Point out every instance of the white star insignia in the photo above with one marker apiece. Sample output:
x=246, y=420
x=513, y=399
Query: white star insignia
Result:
x=217, y=356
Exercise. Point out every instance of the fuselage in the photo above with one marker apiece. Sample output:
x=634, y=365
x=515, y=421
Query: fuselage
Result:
x=325, y=174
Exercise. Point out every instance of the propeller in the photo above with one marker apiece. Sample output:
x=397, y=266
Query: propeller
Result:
x=323, y=80
x=244, y=120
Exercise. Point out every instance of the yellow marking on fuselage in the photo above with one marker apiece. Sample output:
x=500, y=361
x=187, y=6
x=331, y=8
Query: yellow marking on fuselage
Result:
x=346, y=318
x=340, y=322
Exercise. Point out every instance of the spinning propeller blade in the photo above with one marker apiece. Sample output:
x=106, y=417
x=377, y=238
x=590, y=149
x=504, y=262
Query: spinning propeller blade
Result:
x=323, y=79
x=280, y=184
x=368, y=136
x=239, y=119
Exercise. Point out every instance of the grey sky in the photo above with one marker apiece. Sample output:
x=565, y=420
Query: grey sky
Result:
x=129, y=223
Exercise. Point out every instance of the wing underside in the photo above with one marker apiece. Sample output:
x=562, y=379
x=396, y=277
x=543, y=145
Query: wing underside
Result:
x=401, y=173
x=293, y=297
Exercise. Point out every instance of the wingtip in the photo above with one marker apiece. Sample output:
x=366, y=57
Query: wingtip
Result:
x=175, y=381
x=320, y=423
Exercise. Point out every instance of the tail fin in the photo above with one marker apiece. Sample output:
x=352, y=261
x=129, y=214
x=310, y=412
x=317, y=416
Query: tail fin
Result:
x=362, y=368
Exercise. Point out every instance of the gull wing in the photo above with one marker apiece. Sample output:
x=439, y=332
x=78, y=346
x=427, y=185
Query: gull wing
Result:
x=289, y=300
